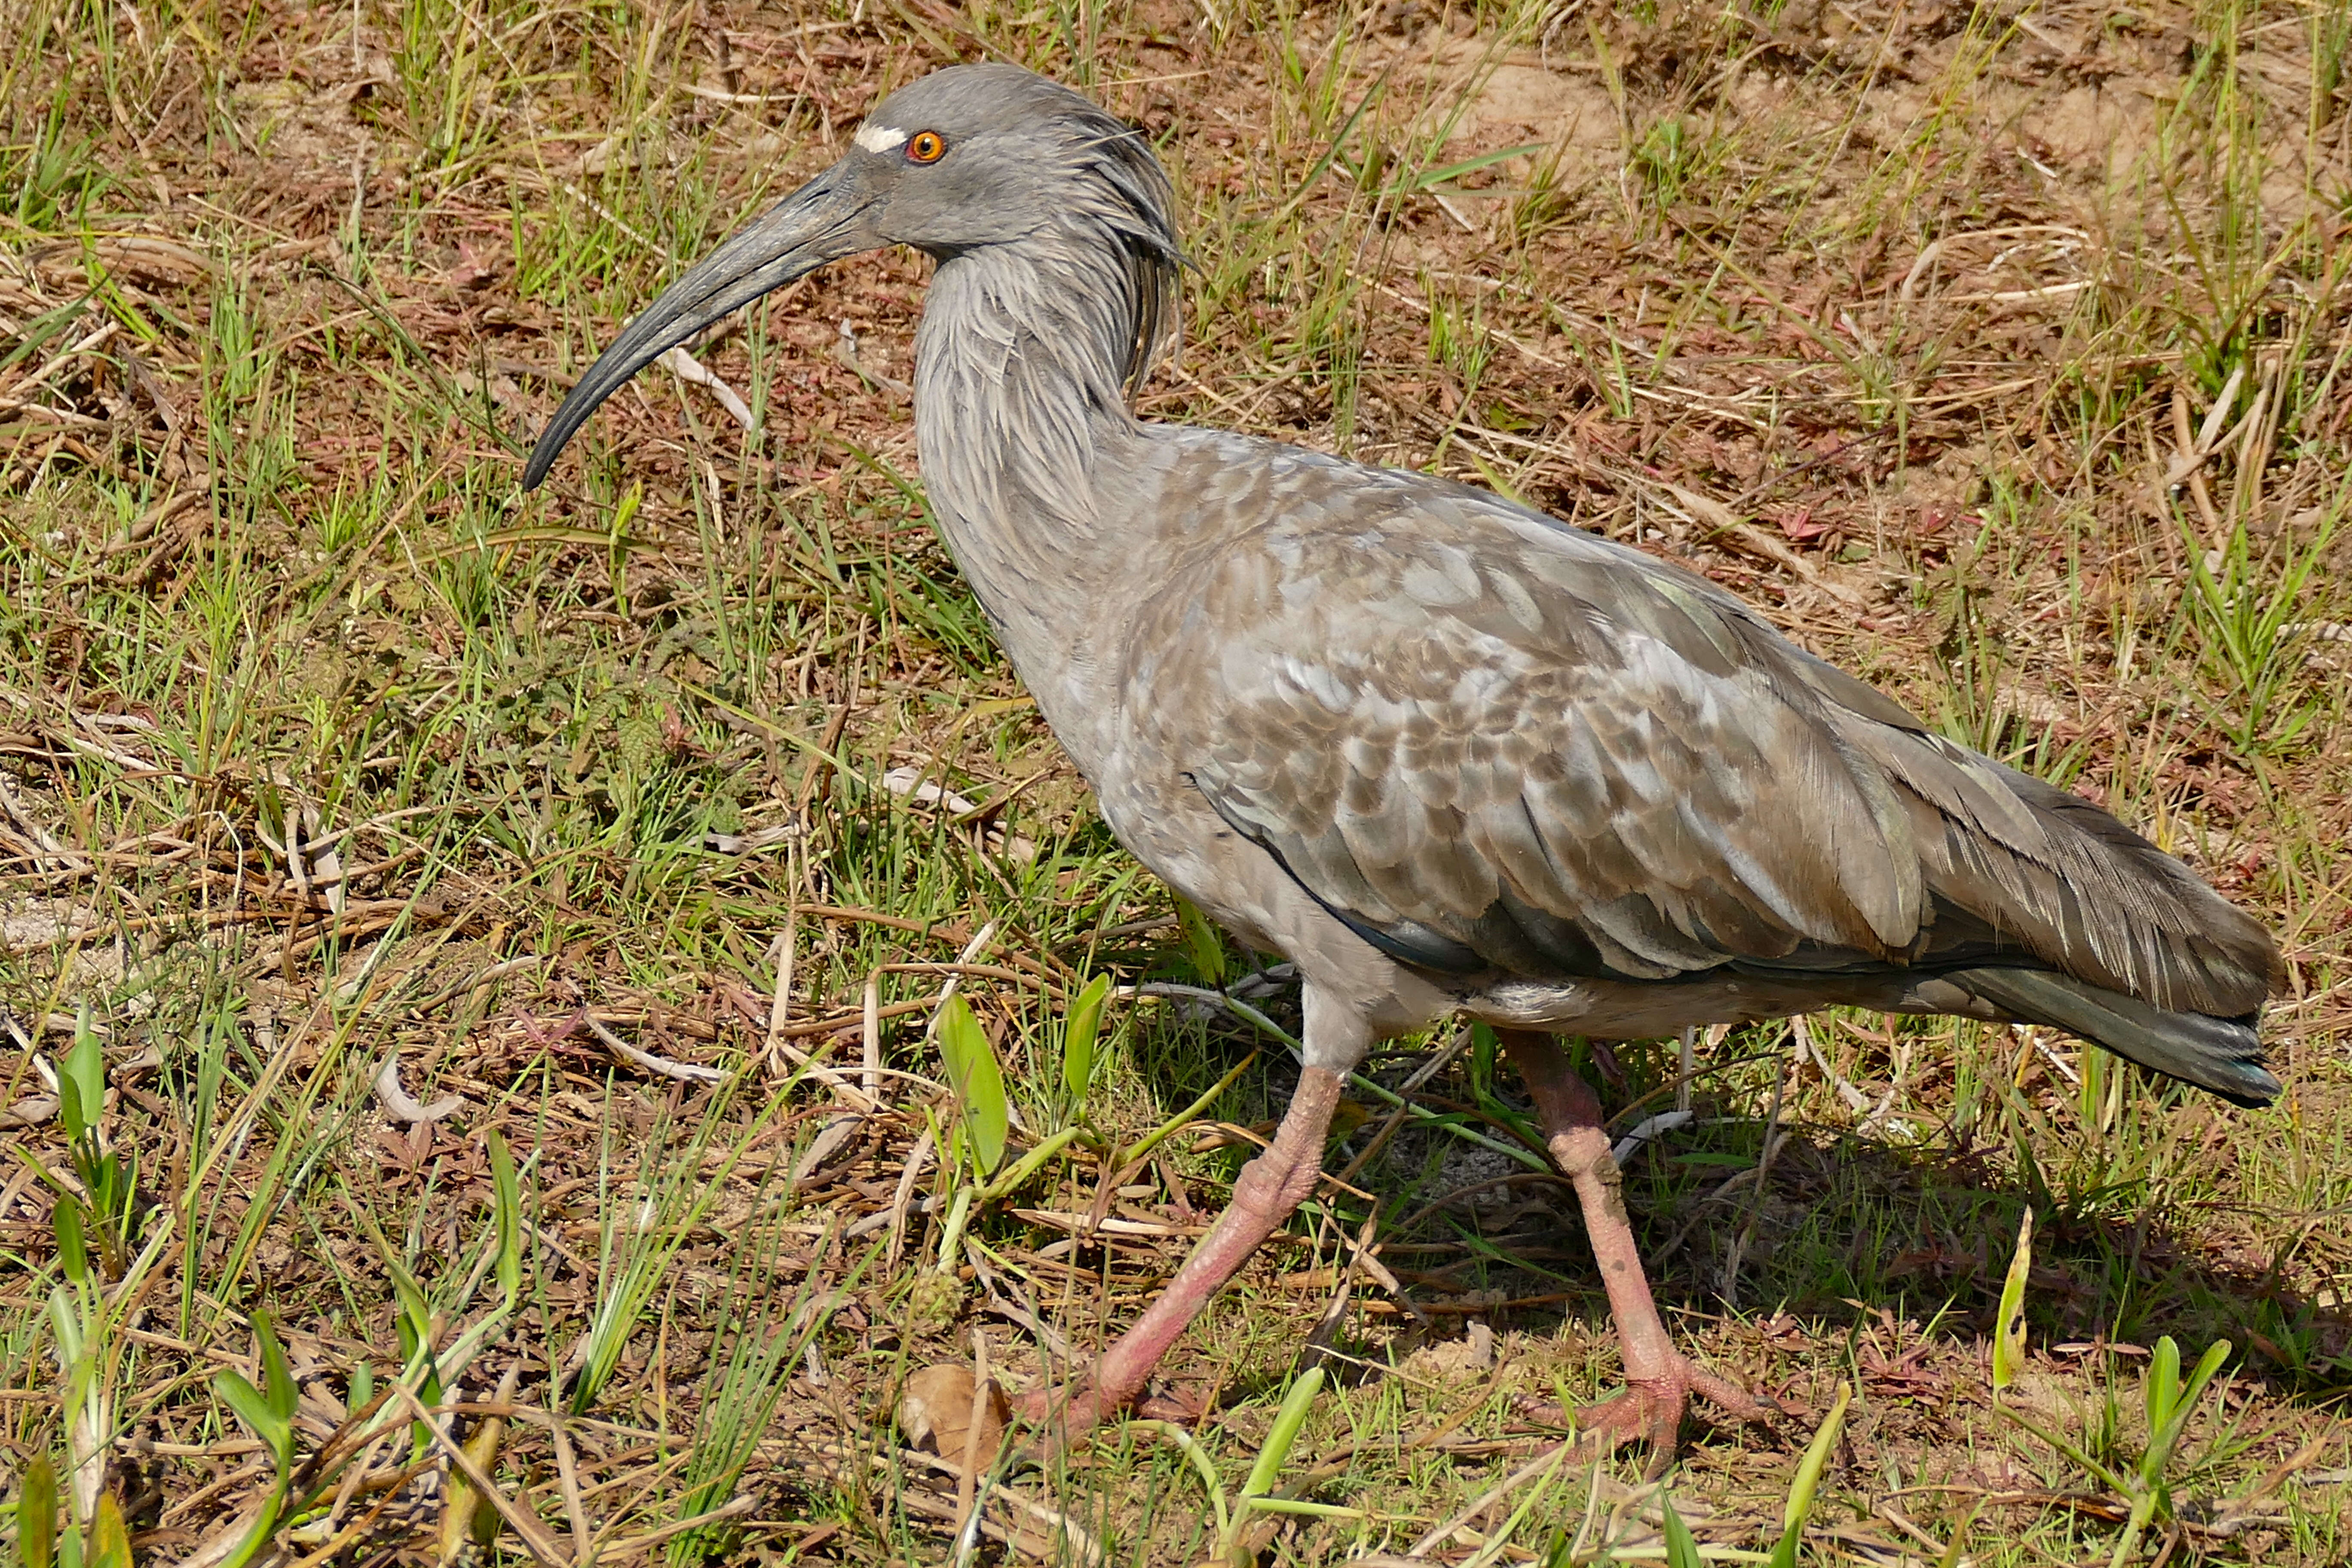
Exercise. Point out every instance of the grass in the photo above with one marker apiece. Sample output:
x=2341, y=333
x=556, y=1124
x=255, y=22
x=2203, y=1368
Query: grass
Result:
x=2008, y=348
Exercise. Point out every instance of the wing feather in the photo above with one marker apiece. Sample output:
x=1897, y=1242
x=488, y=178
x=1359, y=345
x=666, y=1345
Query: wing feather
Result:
x=1484, y=738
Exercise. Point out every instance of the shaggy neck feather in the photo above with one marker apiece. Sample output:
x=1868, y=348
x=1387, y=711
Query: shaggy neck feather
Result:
x=1018, y=407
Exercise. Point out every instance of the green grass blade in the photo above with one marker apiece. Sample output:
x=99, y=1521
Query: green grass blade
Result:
x=1800, y=1504
x=1423, y=180
x=2062, y=1444
x=1284, y=1433
x=1681, y=1546
x=1183, y=1118
x=1202, y=1466
x=506, y=1193
x=1028, y=1165
x=1301, y=1505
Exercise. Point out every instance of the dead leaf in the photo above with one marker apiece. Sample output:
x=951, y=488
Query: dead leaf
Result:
x=1799, y=525
x=935, y=1411
x=476, y=267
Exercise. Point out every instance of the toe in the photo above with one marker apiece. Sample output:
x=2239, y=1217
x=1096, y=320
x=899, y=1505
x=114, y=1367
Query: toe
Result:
x=1545, y=1413
x=1730, y=1398
x=1631, y=1417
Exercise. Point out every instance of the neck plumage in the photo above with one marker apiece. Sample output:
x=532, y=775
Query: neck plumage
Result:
x=1020, y=406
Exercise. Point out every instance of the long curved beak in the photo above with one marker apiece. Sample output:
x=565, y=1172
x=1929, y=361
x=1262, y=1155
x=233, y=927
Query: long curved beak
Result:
x=819, y=223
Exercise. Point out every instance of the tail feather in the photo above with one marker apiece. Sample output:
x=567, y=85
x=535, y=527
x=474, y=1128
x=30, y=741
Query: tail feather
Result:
x=2050, y=874
x=2222, y=1054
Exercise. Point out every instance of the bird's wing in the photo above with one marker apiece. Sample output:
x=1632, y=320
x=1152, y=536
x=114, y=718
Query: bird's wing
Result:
x=1486, y=741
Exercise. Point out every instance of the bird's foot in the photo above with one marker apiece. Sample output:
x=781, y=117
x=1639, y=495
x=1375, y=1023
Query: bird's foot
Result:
x=1268, y=1189
x=1650, y=1410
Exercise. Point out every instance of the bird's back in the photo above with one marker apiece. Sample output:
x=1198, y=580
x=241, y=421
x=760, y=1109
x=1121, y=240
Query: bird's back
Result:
x=1491, y=743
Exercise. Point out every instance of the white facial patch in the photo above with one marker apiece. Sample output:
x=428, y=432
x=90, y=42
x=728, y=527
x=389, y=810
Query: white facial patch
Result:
x=881, y=138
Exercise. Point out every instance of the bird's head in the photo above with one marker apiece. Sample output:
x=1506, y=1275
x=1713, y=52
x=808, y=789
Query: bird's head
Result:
x=967, y=158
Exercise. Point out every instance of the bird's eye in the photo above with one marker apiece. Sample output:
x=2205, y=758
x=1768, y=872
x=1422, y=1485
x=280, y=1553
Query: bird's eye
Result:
x=926, y=147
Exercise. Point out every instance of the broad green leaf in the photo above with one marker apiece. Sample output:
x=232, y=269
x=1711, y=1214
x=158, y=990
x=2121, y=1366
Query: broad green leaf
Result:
x=108, y=1191
x=69, y=1110
x=259, y=1416
x=1079, y=1037
x=278, y=1378
x=73, y=1247
x=110, y=1542
x=2008, y=1328
x=81, y=1080
x=2207, y=1365
x=65, y=1321
x=979, y=1085
x=2162, y=1388
x=36, y=1514
x=2164, y=1438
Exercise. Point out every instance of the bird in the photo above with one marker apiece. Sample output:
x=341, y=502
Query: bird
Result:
x=1450, y=756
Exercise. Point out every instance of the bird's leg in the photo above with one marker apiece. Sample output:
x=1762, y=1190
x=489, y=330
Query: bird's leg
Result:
x=1659, y=1379
x=1269, y=1187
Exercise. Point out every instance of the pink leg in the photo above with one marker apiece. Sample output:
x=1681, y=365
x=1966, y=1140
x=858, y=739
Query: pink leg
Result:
x=1270, y=1187
x=1659, y=1379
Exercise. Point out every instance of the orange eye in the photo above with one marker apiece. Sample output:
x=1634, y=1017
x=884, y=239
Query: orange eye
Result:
x=926, y=147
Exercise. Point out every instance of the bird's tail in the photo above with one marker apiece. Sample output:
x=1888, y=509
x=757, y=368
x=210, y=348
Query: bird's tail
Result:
x=2222, y=1054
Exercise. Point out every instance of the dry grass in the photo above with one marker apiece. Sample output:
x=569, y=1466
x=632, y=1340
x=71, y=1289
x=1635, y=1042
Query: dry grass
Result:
x=1999, y=354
